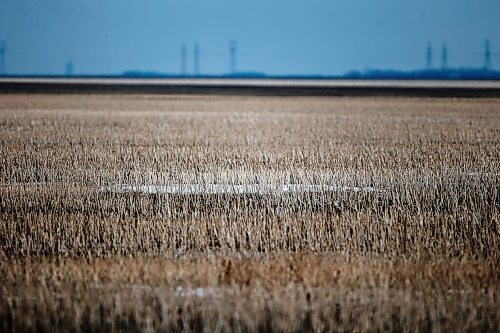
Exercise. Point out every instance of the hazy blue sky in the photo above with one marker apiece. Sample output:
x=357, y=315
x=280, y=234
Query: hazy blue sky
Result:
x=274, y=36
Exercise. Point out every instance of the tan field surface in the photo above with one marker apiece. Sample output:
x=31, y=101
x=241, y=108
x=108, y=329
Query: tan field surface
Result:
x=178, y=213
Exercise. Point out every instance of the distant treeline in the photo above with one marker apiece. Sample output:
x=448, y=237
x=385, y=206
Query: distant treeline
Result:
x=371, y=74
x=427, y=74
x=375, y=74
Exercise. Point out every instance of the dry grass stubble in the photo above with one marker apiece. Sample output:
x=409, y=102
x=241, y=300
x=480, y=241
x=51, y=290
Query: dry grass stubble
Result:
x=408, y=240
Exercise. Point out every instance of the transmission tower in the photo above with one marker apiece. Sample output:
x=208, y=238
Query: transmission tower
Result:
x=3, y=47
x=444, y=57
x=429, y=56
x=70, y=68
x=196, y=59
x=183, y=59
x=487, y=55
x=232, y=51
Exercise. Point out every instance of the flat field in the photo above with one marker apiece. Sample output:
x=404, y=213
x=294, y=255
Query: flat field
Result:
x=225, y=213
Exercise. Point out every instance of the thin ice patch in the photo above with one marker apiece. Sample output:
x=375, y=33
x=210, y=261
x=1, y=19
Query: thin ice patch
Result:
x=191, y=189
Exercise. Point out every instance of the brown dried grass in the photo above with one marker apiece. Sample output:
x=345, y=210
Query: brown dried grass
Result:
x=419, y=254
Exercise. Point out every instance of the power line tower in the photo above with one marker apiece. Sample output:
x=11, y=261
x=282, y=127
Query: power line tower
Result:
x=183, y=59
x=3, y=47
x=70, y=68
x=487, y=55
x=232, y=50
x=196, y=59
x=429, y=56
x=444, y=57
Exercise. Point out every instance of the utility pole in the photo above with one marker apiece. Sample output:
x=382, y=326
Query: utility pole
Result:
x=429, y=56
x=196, y=59
x=444, y=57
x=232, y=51
x=3, y=47
x=487, y=55
x=183, y=60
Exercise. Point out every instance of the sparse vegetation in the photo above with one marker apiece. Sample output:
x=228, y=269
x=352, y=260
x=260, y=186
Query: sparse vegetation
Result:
x=400, y=233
